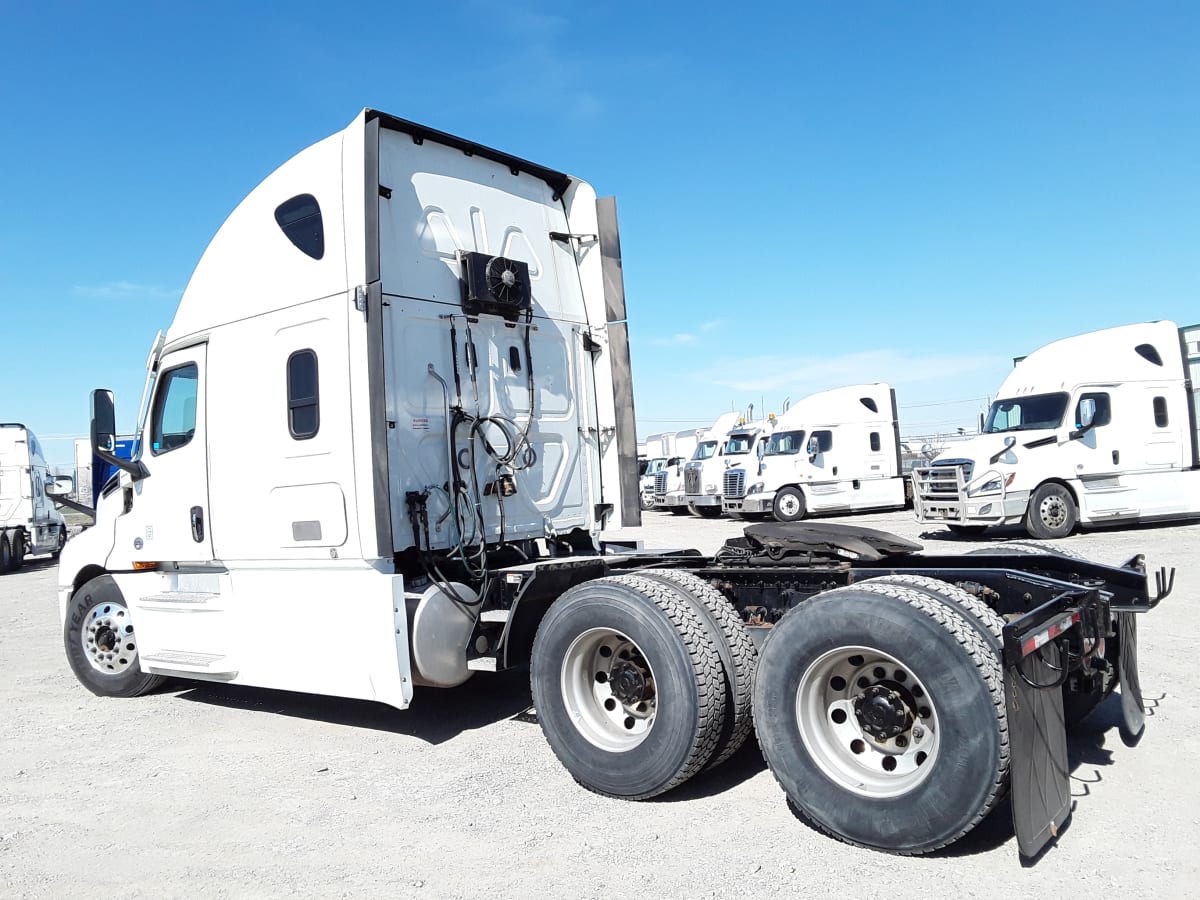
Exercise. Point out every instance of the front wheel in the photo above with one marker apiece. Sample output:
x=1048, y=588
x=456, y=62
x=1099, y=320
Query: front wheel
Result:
x=62, y=542
x=891, y=735
x=708, y=512
x=1051, y=512
x=628, y=687
x=789, y=505
x=100, y=642
x=17, y=550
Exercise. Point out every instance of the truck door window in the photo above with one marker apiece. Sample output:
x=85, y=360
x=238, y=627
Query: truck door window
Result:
x=174, y=409
x=1097, y=405
x=875, y=445
x=1160, y=412
x=824, y=440
x=303, y=395
x=785, y=443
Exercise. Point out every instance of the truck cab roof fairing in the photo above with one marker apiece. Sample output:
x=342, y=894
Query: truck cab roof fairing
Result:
x=252, y=266
x=420, y=133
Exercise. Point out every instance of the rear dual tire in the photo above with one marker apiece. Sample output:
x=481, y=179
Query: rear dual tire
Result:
x=880, y=710
x=628, y=686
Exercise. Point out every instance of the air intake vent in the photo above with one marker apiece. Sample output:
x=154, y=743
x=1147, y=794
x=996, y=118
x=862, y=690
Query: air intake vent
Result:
x=495, y=285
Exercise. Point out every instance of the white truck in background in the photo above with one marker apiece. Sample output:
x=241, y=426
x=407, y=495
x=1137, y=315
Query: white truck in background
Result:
x=833, y=451
x=30, y=524
x=1096, y=429
x=741, y=446
x=383, y=435
x=703, y=474
x=668, y=481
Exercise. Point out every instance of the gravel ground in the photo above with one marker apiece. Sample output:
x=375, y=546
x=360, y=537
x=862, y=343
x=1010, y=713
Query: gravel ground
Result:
x=213, y=791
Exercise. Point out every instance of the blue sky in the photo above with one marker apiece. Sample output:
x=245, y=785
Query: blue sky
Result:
x=810, y=194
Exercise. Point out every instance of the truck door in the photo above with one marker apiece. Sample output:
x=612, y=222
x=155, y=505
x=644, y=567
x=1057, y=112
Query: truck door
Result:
x=1097, y=456
x=169, y=519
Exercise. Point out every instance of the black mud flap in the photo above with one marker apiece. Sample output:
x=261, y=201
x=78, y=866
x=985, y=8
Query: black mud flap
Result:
x=1133, y=714
x=1041, y=786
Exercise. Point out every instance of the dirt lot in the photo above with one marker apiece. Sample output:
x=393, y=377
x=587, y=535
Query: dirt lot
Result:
x=234, y=792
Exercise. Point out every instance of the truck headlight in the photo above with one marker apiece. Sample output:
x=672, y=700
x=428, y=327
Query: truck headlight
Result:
x=755, y=488
x=994, y=484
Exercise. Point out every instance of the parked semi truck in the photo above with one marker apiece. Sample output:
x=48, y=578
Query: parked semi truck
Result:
x=833, y=451
x=407, y=354
x=668, y=482
x=1096, y=429
x=704, y=472
x=30, y=523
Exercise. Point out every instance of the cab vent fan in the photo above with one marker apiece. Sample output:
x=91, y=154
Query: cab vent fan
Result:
x=495, y=285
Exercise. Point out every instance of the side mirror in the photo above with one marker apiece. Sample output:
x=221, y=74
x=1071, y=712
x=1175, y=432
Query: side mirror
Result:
x=60, y=486
x=761, y=450
x=814, y=446
x=104, y=422
x=1087, y=413
x=104, y=435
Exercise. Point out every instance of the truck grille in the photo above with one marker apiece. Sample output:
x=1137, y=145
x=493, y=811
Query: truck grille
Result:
x=660, y=484
x=941, y=475
x=735, y=484
x=691, y=481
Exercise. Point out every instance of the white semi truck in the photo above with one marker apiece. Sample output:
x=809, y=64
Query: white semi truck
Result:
x=1092, y=430
x=29, y=521
x=833, y=451
x=668, y=481
x=704, y=472
x=384, y=434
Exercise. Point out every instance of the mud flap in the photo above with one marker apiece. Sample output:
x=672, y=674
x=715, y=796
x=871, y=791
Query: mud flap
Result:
x=1041, y=788
x=1133, y=715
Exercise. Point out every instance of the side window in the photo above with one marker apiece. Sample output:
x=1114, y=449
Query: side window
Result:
x=824, y=440
x=303, y=395
x=174, y=409
x=1160, y=412
x=1094, y=408
x=875, y=445
x=300, y=219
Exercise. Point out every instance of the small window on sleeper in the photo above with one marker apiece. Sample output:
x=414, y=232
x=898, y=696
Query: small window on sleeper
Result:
x=303, y=395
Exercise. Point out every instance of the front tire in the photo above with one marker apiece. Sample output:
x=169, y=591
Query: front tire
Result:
x=100, y=642
x=17, y=550
x=891, y=735
x=627, y=686
x=1051, y=513
x=789, y=505
x=62, y=542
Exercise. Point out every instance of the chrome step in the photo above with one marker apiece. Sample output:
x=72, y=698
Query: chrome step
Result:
x=483, y=664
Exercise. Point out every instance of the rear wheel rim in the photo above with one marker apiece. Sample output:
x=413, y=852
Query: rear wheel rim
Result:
x=107, y=638
x=868, y=722
x=609, y=690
